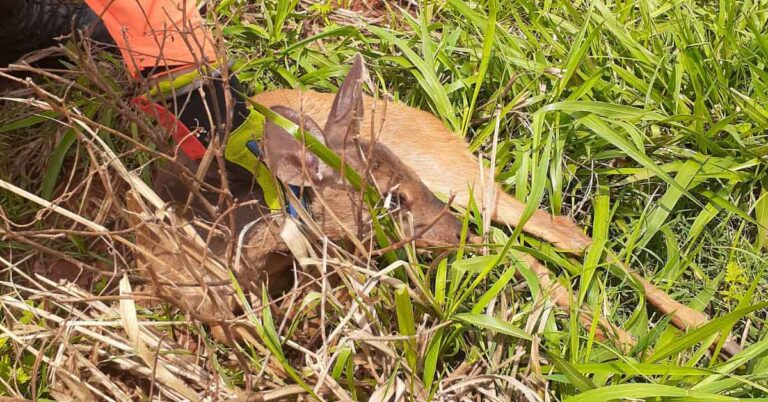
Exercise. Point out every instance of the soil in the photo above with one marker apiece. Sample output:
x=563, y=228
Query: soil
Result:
x=369, y=8
x=368, y=5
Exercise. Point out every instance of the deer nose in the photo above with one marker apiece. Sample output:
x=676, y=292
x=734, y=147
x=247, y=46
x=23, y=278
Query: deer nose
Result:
x=447, y=236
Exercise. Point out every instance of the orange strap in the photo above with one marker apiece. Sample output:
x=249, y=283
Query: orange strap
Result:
x=189, y=144
x=153, y=33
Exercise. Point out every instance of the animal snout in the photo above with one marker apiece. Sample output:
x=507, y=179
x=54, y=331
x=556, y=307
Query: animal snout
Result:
x=446, y=232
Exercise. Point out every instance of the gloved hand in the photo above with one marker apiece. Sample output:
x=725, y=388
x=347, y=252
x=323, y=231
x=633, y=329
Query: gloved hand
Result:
x=169, y=36
x=165, y=34
x=156, y=33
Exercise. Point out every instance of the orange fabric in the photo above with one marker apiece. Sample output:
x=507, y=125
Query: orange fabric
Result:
x=153, y=33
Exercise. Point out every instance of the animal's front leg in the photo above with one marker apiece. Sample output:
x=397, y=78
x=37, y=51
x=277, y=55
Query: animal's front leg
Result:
x=267, y=259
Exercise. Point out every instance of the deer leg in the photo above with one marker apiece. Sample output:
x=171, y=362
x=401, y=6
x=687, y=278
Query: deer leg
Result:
x=562, y=298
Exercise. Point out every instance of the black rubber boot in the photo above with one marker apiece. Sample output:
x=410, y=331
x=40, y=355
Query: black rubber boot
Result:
x=27, y=25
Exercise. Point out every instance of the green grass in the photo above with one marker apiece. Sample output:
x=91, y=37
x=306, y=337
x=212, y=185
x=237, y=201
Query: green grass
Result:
x=644, y=120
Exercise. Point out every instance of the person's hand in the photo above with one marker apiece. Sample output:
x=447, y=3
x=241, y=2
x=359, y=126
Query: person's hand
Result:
x=150, y=33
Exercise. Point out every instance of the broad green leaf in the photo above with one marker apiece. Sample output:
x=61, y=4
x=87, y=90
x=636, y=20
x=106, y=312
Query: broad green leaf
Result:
x=342, y=31
x=441, y=281
x=492, y=323
x=580, y=47
x=576, y=378
x=603, y=109
x=498, y=285
x=55, y=162
x=761, y=218
x=666, y=204
x=431, y=359
x=697, y=335
x=638, y=391
x=341, y=363
x=477, y=264
x=406, y=323
x=27, y=122
x=640, y=369
x=485, y=59
x=604, y=131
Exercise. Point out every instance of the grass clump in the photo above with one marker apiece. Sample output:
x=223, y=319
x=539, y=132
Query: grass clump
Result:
x=643, y=120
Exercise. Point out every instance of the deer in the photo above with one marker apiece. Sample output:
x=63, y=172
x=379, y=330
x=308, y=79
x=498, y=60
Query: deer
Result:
x=444, y=164
x=335, y=206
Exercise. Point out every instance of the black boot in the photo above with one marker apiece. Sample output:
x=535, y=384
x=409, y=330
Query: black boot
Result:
x=27, y=25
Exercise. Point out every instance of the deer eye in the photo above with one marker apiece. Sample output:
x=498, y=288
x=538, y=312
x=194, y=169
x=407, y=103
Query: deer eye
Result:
x=393, y=201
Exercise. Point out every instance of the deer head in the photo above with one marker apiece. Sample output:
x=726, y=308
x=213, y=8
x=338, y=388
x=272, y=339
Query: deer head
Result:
x=336, y=206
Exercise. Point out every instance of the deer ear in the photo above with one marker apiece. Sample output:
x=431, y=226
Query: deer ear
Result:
x=288, y=159
x=343, y=121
